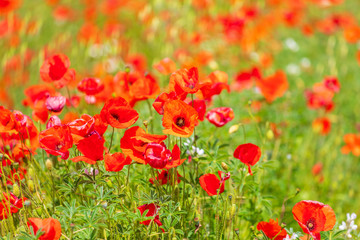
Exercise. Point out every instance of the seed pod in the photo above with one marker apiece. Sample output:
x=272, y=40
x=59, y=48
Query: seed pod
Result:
x=31, y=185
x=16, y=189
x=233, y=209
x=233, y=128
x=270, y=134
x=224, y=166
x=49, y=164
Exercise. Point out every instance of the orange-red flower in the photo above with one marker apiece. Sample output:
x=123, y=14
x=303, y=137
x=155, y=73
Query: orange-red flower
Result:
x=273, y=86
x=56, y=69
x=164, y=178
x=352, y=142
x=160, y=101
x=153, y=211
x=50, y=227
x=220, y=116
x=248, y=153
x=179, y=118
x=90, y=86
x=115, y=162
x=9, y=205
x=9, y=5
x=92, y=148
x=272, y=230
x=184, y=81
x=165, y=66
x=322, y=125
x=314, y=217
x=212, y=185
x=81, y=127
x=214, y=84
x=134, y=142
x=56, y=141
x=200, y=107
x=118, y=113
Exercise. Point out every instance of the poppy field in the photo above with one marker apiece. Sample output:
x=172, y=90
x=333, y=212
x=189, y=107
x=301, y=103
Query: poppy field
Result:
x=182, y=119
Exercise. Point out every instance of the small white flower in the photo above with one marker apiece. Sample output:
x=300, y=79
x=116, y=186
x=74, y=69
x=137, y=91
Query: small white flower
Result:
x=349, y=225
x=305, y=63
x=293, y=237
x=293, y=69
x=291, y=44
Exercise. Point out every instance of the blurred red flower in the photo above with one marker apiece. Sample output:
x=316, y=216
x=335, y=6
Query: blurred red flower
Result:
x=220, y=116
x=56, y=69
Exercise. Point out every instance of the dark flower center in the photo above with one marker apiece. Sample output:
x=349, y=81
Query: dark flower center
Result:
x=310, y=224
x=115, y=116
x=59, y=146
x=180, y=122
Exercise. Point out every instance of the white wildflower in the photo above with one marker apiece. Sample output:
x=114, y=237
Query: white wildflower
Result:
x=349, y=225
x=291, y=45
x=293, y=237
x=293, y=69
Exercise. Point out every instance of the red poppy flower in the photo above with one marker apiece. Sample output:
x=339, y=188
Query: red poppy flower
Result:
x=134, y=142
x=118, y=113
x=9, y=205
x=179, y=118
x=175, y=159
x=116, y=162
x=92, y=148
x=314, y=217
x=9, y=5
x=7, y=121
x=245, y=79
x=322, y=125
x=55, y=104
x=53, y=121
x=220, y=116
x=214, y=84
x=90, y=86
x=56, y=69
x=212, y=185
x=273, y=86
x=248, y=153
x=81, y=127
x=50, y=226
x=144, y=87
x=159, y=157
x=56, y=141
x=317, y=169
x=184, y=81
x=165, y=66
x=272, y=230
x=352, y=142
x=200, y=107
x=161, y=100
x=164, y=177
x=153, y=211
x=332, y=83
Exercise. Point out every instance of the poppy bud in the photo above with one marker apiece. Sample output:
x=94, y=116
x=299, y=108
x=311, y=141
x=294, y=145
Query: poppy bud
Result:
x=233, y=128
x=53, y=121
x=270, y=134
x=224, y=166
x=16, y=189
x=55, y=104
x=156, y=155
x=237, y=231
x=146, y=123
x=31, y=171
x=30, y=185
x=48, y=164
